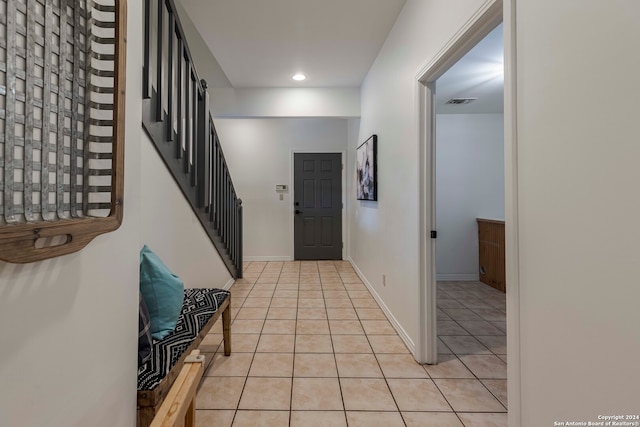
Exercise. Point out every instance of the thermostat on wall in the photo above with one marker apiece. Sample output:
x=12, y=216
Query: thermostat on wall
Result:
x=281, y=188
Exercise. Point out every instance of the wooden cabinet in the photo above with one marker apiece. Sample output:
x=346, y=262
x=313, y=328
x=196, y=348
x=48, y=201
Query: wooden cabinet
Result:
x=491, y=253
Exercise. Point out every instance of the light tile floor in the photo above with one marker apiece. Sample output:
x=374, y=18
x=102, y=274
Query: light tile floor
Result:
x=311, y=347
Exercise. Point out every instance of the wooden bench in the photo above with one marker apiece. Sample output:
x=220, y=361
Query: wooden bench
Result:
x=179, y=407
x=200, y=310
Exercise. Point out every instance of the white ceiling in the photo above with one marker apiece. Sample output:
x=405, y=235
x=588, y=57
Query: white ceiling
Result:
x=262, y=43
x=479, y=74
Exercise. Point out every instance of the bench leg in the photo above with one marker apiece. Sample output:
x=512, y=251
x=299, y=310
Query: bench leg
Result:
x=190, y=417
x=226, y=329
x=146, y=415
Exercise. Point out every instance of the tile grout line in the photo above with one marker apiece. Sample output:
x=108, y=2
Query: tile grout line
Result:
x=246, y=380
x=244, y=384
x=333, y=349
x=295, y=336
x=457, y=357
x=375, y=355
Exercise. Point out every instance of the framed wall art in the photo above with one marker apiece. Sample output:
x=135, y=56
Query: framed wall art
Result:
x=62, y=97
x=366, y=169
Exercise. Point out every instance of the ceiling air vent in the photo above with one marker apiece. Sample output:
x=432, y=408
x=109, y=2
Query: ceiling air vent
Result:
x=460, y=101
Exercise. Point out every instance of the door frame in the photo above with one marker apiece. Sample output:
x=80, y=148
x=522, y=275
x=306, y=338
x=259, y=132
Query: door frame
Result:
x=343, y=195
x=477, y=27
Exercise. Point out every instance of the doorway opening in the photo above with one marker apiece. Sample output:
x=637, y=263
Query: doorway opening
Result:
x=469, y=161
x=469, y=205
x=488, y=17
x=483, y=23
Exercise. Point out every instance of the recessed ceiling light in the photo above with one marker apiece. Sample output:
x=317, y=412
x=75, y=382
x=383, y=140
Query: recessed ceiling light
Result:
x=299, y=77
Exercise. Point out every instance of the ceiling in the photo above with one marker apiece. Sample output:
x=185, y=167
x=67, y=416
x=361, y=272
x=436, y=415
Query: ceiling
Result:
x=262, y=43
x=479, y=74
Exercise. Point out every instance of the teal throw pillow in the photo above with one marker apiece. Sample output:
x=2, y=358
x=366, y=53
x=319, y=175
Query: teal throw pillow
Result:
x=163, y=293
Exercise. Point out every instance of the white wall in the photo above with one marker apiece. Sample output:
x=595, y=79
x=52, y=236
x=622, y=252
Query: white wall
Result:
x=259, y=156
x=469, y=185
x=579, y=204
x=172, y=230
x=68, y=326
x=577, y=197
x=285, y=102
x=353, y=128
x=384, y=237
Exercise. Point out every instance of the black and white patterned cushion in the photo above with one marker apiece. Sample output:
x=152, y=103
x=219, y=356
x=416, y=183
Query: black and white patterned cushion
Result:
x=144, y=333
x=198, y=307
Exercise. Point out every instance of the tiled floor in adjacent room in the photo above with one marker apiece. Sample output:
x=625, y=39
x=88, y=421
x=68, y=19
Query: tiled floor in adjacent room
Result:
x=311, y=347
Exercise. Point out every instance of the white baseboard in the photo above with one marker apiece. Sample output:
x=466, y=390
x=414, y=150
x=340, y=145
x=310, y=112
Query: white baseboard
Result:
x=267, y=258
x=227, y=285
x=458, y=277
x=394, y=322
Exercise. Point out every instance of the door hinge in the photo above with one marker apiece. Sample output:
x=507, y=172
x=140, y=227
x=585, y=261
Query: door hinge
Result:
x=434, y=234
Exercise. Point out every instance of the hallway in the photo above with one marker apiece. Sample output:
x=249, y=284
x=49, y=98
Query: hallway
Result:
x=311, y=347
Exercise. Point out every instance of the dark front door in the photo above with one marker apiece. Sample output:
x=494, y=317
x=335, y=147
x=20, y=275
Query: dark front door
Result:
x=317, y=187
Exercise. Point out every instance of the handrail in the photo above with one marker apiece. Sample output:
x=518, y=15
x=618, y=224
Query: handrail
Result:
x=175, y=115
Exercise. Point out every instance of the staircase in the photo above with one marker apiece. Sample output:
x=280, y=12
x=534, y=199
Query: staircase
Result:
x=175, y=115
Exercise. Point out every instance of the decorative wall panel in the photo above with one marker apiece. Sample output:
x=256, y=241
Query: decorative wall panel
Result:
x=61, y=124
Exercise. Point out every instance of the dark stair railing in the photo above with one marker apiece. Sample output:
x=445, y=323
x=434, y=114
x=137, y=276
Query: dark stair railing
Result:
x=175, y=115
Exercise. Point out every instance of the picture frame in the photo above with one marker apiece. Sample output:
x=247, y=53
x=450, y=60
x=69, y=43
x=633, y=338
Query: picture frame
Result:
x=367, y=169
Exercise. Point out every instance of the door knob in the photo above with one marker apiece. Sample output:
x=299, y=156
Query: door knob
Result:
x=298, y=212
